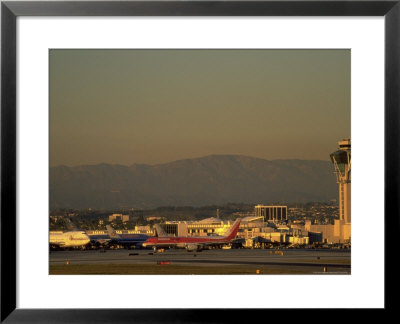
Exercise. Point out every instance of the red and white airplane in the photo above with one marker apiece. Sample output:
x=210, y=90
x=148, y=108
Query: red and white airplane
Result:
x=192, y=243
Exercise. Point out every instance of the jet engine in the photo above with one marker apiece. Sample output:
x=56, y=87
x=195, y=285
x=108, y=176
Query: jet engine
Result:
x=193, y=247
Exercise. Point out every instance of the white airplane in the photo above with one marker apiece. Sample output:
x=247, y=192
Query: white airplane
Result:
x=69, y=239
x=73, y=238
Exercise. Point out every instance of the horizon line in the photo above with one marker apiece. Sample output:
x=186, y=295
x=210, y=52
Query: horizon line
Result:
x=184, y=159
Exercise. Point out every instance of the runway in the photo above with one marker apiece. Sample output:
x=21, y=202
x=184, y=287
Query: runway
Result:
x=312, y=261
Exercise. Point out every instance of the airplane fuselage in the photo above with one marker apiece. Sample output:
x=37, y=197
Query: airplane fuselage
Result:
x=184, y=240
x=69, y=239
x=129, y=239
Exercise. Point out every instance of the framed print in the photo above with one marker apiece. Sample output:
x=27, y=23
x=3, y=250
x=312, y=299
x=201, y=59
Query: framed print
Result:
x=193, y=149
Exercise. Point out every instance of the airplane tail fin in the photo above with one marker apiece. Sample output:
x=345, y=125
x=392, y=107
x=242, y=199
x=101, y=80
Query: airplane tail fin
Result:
x=231, y=234
x=70, y=225
x=160, y=231
x=111, y=232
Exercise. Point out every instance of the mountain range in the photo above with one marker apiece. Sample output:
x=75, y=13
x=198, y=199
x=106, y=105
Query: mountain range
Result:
x=210, y=180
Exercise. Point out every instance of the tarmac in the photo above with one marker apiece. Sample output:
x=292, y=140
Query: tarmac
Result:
x=313, y=261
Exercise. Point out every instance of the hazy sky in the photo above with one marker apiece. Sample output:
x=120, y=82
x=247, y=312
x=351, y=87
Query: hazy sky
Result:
x=156, y=106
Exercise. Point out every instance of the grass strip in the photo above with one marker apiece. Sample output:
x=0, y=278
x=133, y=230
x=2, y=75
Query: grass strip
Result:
x=148, y=269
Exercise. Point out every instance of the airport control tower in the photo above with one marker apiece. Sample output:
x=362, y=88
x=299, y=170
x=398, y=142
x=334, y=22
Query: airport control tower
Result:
x=342, y=162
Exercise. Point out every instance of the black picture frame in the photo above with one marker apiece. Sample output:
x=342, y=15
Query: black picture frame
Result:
x=11, y=10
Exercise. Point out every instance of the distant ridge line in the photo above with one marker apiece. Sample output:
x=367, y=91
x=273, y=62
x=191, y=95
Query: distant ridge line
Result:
x=210, y=180
x=183, y=159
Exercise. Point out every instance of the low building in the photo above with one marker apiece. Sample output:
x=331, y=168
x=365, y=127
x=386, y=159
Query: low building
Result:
x=143, y=229
x=339, y=232
x=121, y=217
x=154, y=218
x=138, y=230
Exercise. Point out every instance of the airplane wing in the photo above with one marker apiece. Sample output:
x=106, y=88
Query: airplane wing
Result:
x=103, y=241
